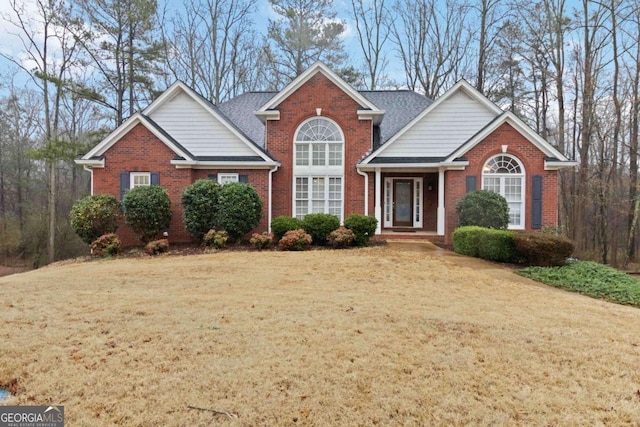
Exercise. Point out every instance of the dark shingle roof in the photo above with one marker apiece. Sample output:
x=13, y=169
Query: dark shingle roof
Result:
x=240, y=111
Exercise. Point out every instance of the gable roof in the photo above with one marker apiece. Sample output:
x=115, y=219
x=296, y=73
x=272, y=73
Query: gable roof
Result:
x=368, y=107
x=240, y=111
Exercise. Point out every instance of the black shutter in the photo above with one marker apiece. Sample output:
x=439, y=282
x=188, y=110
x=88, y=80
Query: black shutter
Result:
x=471, y=183
x=124, y=183
x=155, y=178
x=213, y=177
x=243, y=179
x=536, y=205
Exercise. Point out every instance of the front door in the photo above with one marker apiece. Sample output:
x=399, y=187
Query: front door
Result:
x=402, y=202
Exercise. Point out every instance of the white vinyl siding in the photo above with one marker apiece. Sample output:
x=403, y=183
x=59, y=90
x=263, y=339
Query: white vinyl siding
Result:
x=197, y=130
x=442, y=130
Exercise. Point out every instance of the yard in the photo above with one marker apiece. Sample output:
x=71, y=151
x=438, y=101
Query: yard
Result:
x=374, y=336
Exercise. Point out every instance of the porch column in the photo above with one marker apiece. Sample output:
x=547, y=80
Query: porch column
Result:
x=378, y=207
x=441, y=211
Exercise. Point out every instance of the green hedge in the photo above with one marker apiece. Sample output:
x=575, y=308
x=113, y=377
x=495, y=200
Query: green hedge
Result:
x=509, y=246
x=319, y=226
x=363, y=227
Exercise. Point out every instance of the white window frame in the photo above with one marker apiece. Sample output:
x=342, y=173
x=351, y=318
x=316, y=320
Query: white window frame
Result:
x=418, y=201
x=227, y=178
x=134, y=175
x=324, y=171
x=502, y=177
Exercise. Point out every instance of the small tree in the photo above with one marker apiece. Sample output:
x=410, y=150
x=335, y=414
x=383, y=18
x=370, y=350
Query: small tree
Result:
x=147, y=210
x=484, y=209
x=94, y=216
x=200, y=206
x=239, y=209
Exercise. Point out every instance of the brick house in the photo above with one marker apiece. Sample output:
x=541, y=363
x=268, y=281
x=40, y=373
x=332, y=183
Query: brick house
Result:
x=319, y=145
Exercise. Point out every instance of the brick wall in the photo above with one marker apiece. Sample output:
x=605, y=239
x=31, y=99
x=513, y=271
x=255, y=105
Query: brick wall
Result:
x=319, y=92
x=141, y=151
x=531, y=158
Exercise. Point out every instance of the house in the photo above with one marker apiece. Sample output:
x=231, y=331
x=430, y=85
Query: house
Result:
x=319, y=145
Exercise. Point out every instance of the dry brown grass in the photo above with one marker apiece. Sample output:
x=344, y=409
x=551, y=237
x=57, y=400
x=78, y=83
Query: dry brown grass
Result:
x=376, y=336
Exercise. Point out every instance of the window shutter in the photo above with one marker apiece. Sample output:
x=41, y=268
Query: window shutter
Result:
x=124, y=183
x=213, y=177
x=471, y=183
x=155, y=178
x=243, y=179
x=536, y=205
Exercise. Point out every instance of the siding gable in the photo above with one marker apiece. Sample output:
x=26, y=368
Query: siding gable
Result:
x=443, y=130
x=196, y=129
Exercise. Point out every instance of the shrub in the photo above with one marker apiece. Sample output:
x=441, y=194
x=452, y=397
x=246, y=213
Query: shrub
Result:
x=363, y=227
x=239, y=209
x=282, y=224
x=541, y=249
x=156, y=247
x=262, y=241
x=95, y=216
x=147, y=210
x=319, y=225
x=485, y=243
x=295, y=240
x=200, y=205
x=107, y=244
x=341, y=237
x=484, y=209
x=215, y=239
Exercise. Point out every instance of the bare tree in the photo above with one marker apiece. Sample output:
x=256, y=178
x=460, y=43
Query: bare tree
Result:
x=372, y=27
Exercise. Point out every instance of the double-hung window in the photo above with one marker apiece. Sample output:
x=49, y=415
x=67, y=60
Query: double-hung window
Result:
x=140, y=179
x=504, y=174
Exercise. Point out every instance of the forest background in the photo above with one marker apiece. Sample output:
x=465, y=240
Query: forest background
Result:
x=71, y=71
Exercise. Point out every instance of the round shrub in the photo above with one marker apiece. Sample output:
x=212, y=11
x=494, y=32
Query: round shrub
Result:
x=156, y=247
x=94, y=216
x=215, y=239
x=341, y=237
x=295, y=240
x=363, y=227
x=484, y=209
x=147, y=210
x=107, y=244
x=282, y=224
x=319, y=226
x=239, y=209
x=262, y=241
x=199, y=207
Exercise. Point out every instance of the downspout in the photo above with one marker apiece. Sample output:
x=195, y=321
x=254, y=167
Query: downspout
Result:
x=270, y=206
x=366, y=190
x=90, y=170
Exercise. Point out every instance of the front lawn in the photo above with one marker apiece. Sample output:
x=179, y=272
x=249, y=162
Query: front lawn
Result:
x=589, y=278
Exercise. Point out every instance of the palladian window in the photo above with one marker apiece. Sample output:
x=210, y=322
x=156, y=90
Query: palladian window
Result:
x=318, y=168
x=504, y=174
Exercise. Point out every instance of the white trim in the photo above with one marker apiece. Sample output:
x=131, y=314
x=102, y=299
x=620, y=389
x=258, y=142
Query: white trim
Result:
x=502, y=176
x=202, y=164
x=460, y=165
x=270, y=203
x=90, y=163
x=319, y=67
x=234, y=175
x=388, y=195
x=267, y=115
x=441, y=208
x=133, y=175
x=462, y=85
x=309, y=199
x=554, y=165
x=378, y=207
x=520, y=127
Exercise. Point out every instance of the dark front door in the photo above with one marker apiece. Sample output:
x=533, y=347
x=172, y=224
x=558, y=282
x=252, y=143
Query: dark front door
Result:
x=403, y=203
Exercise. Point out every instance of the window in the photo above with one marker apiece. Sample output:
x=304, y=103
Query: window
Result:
x=226, y=178
x=140, y=179
x=504, y=174
x=318, y=168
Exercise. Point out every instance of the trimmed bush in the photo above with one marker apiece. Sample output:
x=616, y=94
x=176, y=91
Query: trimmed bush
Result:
x=540, y=249
x=363, y=227
x=105, y=245
x=95, y=216
x=147, y=210
x=485, y=243
x=484, y=209
x=341, y=238
x=281, y=224
x=295, y=240
x=239, y=209
x=215, y=239
x=200, y=206
x=319, y=225
x=262, y=241
x=156, y=247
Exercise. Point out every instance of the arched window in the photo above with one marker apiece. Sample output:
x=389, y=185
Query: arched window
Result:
x=504, y=174
x=318, y=168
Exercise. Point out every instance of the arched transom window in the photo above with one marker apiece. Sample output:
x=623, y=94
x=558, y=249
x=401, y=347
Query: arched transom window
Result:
x=504, y=174
x=318, y=168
